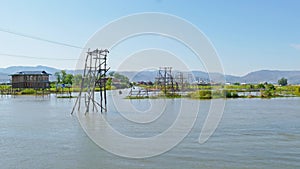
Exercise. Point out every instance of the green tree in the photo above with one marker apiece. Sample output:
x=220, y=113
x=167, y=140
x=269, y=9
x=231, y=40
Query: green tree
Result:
x=270, y=87
x=261, y=86
x=68, y=79
x=108, y=83
x=77, y=79
x=269, y=91
x=58, y=77
x=283, y=81
x=122, y=78
x=63, y=76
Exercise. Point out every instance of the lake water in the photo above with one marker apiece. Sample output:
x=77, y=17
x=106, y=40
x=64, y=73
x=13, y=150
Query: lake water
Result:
x=37, y=132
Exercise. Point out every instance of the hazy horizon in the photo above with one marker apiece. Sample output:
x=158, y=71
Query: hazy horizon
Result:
x=152, y=70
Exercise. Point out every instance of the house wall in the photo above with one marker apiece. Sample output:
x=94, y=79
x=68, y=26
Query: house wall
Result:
x=30, y=81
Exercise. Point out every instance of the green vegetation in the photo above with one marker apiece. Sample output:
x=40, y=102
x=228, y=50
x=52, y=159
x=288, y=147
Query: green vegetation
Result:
x=68, y=97
x=230, y=94
x=77, y=80
x=200, y=94
x=236, y=90
x=213, y=94
x=169, y=95
x=268, y=91
x=159, y=96
x=140, y=97
x=297, y=91
x=28, y=91
x=231, y=91
x=117, y=81
x=5, y=89
x=63, y=79
x=282, y=82
x=68, y=83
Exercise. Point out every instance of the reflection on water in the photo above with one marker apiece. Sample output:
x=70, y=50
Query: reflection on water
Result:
x=38, y=132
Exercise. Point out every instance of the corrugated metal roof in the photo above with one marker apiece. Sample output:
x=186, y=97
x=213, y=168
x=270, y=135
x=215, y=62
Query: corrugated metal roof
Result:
x=32, y=73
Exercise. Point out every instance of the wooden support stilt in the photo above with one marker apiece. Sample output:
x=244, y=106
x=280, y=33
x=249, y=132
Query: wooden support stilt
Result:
x=94, y=76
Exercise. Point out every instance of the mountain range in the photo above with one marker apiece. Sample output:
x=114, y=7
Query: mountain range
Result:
x=5, y=72
x=270, y=76
x=261, y=76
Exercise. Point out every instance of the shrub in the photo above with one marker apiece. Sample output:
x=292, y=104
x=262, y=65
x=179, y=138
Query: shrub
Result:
x=229, y=94
x=28, y=91
x=201, y=94
x=297, y=91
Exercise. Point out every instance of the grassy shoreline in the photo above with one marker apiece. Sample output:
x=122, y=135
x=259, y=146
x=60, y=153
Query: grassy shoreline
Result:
x=201, y=92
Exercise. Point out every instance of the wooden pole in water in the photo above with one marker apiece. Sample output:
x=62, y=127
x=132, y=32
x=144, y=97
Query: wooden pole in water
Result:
x=95, y=74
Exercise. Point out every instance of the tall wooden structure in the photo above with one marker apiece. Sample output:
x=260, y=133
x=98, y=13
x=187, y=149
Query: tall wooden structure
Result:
x=94, y=76
x=165, y=80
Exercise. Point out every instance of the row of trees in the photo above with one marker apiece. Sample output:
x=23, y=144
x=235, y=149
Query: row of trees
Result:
x=282, y=82
x=67, y=80
x=63, y=78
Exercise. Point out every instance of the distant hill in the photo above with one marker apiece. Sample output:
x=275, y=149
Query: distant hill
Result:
x=4, y=78
x=15, y=69
x=270, y=76
x=188, y=76
x=140, y=76
x=5, y=72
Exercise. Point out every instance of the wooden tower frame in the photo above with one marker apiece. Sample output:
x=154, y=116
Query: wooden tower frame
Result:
x=166, y=80
x=94, y=76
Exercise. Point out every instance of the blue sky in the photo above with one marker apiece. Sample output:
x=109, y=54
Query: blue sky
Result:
x=248, y=35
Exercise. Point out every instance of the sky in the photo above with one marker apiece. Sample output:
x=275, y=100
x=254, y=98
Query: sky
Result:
x=248, y=35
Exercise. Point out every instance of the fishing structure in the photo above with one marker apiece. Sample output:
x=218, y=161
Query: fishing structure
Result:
x=94, y=76
x=166, y=80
